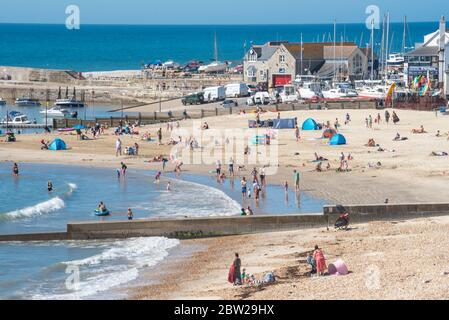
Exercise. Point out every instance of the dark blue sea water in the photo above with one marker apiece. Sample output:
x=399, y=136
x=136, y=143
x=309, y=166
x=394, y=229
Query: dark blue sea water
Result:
x=112, y=47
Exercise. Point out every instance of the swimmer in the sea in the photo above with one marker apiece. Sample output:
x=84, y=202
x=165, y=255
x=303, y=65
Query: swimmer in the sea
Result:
x=49, y=186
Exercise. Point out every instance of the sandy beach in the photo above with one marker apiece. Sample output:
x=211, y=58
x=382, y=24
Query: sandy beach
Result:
x=402, y=254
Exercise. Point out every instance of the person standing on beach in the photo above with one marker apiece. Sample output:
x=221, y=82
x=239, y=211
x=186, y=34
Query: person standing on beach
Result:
x=159, y=136
x=318, y=255
x=118, y=147
x=15, y=169
x=296, y=178
x=387, y=116
x=237, y=274
x=297, y=134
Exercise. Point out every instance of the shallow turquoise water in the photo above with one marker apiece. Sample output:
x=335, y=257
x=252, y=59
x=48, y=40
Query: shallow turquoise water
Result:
x=42, y=270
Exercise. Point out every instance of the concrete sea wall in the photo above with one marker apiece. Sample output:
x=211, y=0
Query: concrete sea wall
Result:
x=186, y=228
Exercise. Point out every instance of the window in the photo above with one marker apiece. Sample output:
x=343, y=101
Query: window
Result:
x=282, y=58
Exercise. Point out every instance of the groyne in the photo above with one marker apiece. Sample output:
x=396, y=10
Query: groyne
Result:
x=188, y=228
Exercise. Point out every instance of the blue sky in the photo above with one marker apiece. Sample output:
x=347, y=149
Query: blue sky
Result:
x=217, y=11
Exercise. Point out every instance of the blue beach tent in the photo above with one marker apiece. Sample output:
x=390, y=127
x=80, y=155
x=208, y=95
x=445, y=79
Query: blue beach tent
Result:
x=310, y=124
x=57, y=144
x=337, y=139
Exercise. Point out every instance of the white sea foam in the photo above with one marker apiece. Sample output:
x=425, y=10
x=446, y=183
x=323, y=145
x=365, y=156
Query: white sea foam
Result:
x=117, y=264
x=194, y=200
x=42, y=208
x=46, y=207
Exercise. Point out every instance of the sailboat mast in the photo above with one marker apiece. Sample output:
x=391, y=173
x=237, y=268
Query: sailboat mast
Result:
x=404, y=35
x=215, y=47
x=372, y=50
x=335, y=48
x=387, y=46
x=302, y=67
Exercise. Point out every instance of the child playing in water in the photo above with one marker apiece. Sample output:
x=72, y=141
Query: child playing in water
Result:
x=157, y=179
x=169, y=186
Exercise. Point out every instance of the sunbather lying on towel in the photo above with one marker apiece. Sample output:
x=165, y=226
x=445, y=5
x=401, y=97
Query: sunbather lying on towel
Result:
x=438, y=154
x=420, y=130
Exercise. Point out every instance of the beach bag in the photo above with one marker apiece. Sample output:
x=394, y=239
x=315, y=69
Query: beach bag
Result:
x=231, y=278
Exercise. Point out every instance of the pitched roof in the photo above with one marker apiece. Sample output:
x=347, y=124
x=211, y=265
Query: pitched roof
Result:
x=424, y=51
x=311, y=50
x=265, y=51
x=340, y=52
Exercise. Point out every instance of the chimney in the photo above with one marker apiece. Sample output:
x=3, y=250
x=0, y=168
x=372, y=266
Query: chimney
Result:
x=441, y=70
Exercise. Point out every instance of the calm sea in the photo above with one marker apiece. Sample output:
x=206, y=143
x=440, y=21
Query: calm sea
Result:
x=113, y=47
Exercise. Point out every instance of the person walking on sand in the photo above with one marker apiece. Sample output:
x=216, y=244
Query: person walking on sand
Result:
x=118, y=147
x=318, y=255
x=297, y=134
x=387, y=117
x=159, y=136
x=296, y=178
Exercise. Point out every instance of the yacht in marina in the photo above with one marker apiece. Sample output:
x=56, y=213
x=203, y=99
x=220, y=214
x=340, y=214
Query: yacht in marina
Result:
x=27, y=102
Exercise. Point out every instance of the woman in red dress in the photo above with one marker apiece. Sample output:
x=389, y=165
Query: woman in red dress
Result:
x=320, y=261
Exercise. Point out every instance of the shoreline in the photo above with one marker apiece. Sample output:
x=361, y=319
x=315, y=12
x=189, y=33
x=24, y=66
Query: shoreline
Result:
x=408, y=174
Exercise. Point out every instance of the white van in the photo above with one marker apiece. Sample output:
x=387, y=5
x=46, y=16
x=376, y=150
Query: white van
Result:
x=213, y=94
x=259, y=98
x=236, y=90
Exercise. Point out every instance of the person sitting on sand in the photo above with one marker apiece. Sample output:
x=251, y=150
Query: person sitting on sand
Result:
x=328, y=166
x=318, y=255
x=249, y=211
x=318, y=167
x=205, y=126
x=311, y=262
x=399, y=138
x=375, y=165
x=371, y=143
x=438, y=134
x=419, y=131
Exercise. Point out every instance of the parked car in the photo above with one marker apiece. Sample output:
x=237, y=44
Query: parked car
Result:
x=230, y=104
x=194, y=98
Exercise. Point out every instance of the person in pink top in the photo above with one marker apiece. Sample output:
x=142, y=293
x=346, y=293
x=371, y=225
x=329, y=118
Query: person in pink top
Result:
x=318, y=255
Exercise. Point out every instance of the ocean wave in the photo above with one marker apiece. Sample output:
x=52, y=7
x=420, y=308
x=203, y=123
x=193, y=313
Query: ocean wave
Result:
x=116, y=265
x=46, y=207
x=42, y=208
x=193, y=200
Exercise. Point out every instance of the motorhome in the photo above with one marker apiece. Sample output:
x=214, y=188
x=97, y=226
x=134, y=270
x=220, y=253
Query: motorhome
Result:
x=213, y=94
x=235, y=90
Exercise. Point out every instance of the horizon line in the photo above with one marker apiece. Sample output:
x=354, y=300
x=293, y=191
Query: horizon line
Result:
x=206, y=24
